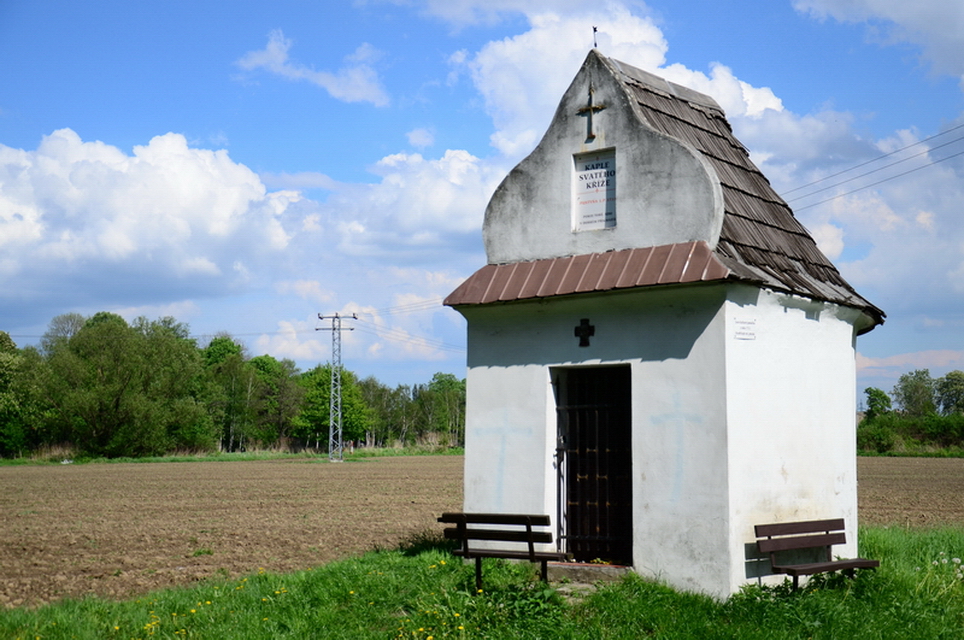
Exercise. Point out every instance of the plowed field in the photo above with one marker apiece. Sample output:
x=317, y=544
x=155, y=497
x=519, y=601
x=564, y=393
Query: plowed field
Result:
x=123, y=529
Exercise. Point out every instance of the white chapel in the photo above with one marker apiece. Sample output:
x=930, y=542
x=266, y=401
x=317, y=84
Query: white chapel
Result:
x=659, y=356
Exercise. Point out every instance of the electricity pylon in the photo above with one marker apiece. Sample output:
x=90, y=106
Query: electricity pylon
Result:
x=335, y=447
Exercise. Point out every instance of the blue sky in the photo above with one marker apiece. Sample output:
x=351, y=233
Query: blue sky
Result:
x=245, y=166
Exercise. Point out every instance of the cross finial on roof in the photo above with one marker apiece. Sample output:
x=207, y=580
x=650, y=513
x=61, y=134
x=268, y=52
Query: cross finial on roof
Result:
x=594, y=46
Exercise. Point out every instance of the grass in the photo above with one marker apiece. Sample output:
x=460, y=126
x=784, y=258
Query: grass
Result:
x=67, y=457
x=420, y=591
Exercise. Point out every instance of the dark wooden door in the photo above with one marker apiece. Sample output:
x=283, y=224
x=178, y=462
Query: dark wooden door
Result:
x=594, y=416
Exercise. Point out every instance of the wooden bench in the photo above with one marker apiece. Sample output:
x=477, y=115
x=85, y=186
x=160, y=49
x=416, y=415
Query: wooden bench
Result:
x=785, y=537
x=501, y=527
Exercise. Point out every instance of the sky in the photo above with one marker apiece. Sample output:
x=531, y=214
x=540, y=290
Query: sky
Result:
x=248, y=166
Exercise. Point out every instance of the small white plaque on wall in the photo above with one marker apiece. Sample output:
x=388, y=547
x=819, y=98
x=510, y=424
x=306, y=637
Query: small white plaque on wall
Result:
x=744, y=328
x=594, y=191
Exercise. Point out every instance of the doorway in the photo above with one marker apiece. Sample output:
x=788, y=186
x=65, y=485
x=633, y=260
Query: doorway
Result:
x=594, y=462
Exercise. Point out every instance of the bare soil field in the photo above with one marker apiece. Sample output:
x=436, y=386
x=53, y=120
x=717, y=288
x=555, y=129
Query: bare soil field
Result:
x=119, y=530
x=911, y=492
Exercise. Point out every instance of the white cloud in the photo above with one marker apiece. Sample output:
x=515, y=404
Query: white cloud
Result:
x=182, y=311
x=126, y=225
x=421, y=138
x=300, y=180
x=289, y=341
x=894, y=366
x=521, y=78
x=937, y=26
x=310, y=290
x=357, y=81
x=829, y=239
x=419, y=205
x=737, y=98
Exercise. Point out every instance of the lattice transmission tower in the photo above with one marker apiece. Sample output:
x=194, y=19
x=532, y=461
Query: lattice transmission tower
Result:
x=335, y=447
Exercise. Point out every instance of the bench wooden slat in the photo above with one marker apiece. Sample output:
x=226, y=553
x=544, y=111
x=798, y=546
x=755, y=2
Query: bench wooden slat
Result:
x=539, y=537
x=820, y=567
x=514, y=555
x=793, y=528
x=495, y=518
x=801, y=542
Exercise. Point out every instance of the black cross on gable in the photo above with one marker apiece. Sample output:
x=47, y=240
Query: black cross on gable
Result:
x=587, y=111
x=584, y=331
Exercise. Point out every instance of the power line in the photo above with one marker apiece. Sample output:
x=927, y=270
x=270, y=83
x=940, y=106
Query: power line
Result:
x=867, y=173
x=872, y=171
x=872, y=160
x=400, y=335
x=874, y=184
x=423, y=305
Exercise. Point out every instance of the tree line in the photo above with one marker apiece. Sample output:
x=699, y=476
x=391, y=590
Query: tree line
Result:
x=104, y=387
x=920, y=413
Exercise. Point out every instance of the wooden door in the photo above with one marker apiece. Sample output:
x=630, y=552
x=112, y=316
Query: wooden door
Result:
x=594, y=417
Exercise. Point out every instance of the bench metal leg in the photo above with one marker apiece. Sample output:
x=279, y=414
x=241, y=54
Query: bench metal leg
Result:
x=478, y=575
x=545, y=571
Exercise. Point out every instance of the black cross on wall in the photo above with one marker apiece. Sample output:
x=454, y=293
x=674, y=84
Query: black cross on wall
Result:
x=584, y=331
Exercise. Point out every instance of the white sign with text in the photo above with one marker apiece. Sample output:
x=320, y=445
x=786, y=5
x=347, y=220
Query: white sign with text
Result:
x=594, y=191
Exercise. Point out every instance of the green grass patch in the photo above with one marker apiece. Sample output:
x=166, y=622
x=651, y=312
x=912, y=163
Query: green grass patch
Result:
x=413, y=450
x=217, y=456
x=421, y=591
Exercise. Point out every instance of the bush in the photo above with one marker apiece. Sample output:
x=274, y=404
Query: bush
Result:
x=874, y=436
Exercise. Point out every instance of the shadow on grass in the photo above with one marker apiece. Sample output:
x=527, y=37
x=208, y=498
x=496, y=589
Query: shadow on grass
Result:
x=426, y=540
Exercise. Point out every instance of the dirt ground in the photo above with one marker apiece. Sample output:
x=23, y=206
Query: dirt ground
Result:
x=911, y=492
x=118, y=530
x=121, y=529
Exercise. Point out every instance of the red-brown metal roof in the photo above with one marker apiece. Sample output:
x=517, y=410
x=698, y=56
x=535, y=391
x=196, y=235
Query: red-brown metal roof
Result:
x=668, y=264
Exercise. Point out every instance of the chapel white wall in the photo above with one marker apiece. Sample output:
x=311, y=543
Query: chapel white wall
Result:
x=790, y=375
x=743, y=405
x=673, y=340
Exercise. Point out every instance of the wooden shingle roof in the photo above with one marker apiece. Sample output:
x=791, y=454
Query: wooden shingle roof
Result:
x=761, y=241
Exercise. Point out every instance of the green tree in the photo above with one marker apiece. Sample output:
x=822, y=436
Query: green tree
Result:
x=238, y=392
x=282, y=397
x=176, y=386
x=240, y=397
x=440, y=409
x=878, y=403
x=13, y=435
x=387, y=408
x=220, y=348
x=950, y=393
x=61, y=329
x=915, y=393
x=314, y=423
x=122, y=390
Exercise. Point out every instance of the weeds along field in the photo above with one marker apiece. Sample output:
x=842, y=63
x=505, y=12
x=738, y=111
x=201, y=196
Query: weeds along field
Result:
x=120, y=530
